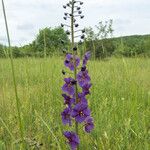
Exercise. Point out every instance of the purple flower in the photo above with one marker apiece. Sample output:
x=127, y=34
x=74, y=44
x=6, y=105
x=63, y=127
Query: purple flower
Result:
x=81, y=98
x=80, y=112
x=89, y=125
x=86, y=88
x=68, y=100
x=69, y=61
x=73, y=139
x=86, y=58
x=66, y=116
x=83, y=78
x=68, y=87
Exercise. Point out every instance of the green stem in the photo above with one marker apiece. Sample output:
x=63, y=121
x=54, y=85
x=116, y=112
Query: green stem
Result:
x=13, y=74
x=74, y=58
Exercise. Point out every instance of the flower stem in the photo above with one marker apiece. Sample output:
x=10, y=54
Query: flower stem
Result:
x=74, y=58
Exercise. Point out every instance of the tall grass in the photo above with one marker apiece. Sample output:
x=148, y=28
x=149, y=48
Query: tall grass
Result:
x=13, y=75
x=120, y=102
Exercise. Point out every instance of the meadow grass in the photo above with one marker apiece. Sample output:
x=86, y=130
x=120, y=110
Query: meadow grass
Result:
x=119, y=100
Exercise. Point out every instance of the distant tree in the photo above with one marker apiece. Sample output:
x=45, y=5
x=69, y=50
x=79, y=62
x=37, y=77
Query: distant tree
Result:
x=146, y=47
x=49, y=40
x=98, y=41
x=3, y=51
x=91, y=37
x=105, y=31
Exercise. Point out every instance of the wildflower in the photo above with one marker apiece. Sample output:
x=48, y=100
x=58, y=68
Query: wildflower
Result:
x=68, y=87
x=86, y=58
x=81, y=98
x=68, y=100
x=89, y=125
x=66, y=116
x=75, y=99
x=80, y=112
x=86, y=88
x=83, y=78
x=70, y=63
x=73, y=139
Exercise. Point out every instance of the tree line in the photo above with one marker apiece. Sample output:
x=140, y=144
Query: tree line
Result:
x=100, y=41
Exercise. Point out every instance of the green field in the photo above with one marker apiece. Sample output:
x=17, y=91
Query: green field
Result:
x=119, y=100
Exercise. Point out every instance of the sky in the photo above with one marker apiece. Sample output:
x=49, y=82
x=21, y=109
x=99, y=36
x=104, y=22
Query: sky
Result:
x=26, y=17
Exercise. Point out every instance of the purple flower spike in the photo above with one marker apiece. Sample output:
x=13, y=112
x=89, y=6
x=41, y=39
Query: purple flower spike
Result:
x=70, y=63
x=89, y=125
x=86, y=58
x=80, y=112
x=73, y=139
x=86, y=88
x=66, y=116
x=68, y=87
x=83, y=78
x=68, y=100
x=77, y=85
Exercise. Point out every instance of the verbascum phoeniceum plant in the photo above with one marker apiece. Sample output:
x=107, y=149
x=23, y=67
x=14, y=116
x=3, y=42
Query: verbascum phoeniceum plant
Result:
x=78, y=82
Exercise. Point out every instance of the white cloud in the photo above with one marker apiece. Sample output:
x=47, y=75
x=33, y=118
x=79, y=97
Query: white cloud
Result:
x=25, y=18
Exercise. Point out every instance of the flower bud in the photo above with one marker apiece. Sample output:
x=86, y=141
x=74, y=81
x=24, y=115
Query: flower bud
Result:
x=64, y=51
x=81, y=3
x=83, y=36
x=65, y=14
x=73, y=82
x=63, y=72
x=66, y=61
x=76, y=25
x=67, y=32
x=80, y=12
x=75, y=48
x=83, y=68
x=62, y=25
x=82, y=17
x=62, y=42
x=64, y=6
x=80, y=42
x=78, y=8
x=65, y=18
x=83, y=31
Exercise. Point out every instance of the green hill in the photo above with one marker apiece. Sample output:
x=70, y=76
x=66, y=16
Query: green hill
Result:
x=119, y=46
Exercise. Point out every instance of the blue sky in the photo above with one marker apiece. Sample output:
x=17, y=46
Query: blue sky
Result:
x=26, y=17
